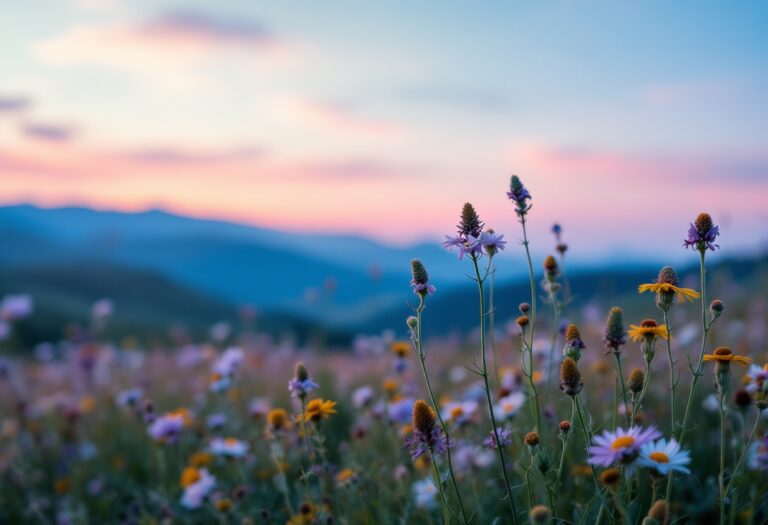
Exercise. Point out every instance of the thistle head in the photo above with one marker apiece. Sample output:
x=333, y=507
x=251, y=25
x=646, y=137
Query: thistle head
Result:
x=610, y=478
x=565, y=426
x=570, y=377
x=573, y=343
x=614, y=335
x=572, y=332
x=703, y=222
x=423, y=417
x=470, y=223
x=550, y=268
x=716, y=308
x=515, y=184
x=540, y=515
x=636, y=380
x=532, y=439
x=300, y=371
x=419, y=273
x=668, y=275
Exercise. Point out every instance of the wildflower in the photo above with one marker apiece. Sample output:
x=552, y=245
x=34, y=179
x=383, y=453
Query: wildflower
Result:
x=229, y=447
x=742, y=399
x=614, y=335
x=636, y=380
x=716, y=308
x=503, y=437
x=519, y=195
x=524, y=308
x=219, y=382
x=664, y=457
x=468, y=457
x=509, y=405
x=532, y=439
x=723, y=356
x=647, y=329
x=540, y=515
x=523, y=321
x=229, y=362
x=301, y=384
x=420, y=280
x=427, y=436
x=757, y=458
x=15, y=307
x=317, y=410
x=492, y=242
x=258, y=407
x=570, y=377
x=610, y=477
x=470, y=230
x=277, y=418
x=666, y=288
x=620, y=446
x=362, y=396
x=757, y=378
x=565, y=426
x=550, y=268
x=459, y=412
x=200, y=459
x=424, y=493
x=345, y=476
x=196, y=492
x=702, y=234
x=189, y=476
x=130, y=397
x=216, y=421
x=399, y=411
x=166, y=428
x=658, y=513
x=223, y=505
x=573, y=343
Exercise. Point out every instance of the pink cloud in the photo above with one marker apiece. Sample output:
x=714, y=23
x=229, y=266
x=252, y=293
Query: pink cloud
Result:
x=340, y=118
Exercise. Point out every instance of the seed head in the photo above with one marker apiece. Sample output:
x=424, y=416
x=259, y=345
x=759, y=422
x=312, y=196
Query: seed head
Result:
x=523, y=321
x=532, y=439
x=668, y=275
x=572, y=332
x=540, y=515
x=716, y=308
x=636, y=380
x=570, y=377
x=300, y=372
x=423, y=417
x=615, y=335
x=420, y=275
x=470, y=222
x=660, y=512
x=550, y=264
x=565, y=426
x=703, y=223
x=742, y=399
x=524, y=308
x=649, y=323
x=610, y=477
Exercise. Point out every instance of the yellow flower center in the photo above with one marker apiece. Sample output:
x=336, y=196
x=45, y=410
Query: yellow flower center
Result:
x=622, y=442
x=231, y=442
x=457, y=412
x=659, y=457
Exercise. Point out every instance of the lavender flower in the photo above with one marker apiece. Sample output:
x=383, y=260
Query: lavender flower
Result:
x=620, y=446
x=420, y=442
x=519, y=194
x=470, y=234
x=301, y=384
x=503, y=437
x=702, y=234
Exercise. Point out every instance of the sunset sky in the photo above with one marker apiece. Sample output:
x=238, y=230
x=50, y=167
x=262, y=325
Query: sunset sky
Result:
x=623, y=119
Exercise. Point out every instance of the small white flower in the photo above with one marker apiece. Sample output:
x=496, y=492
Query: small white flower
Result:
x=509, y=405
x=195, y=493
x=230, y=447
x=664, y=457
x=425, y=493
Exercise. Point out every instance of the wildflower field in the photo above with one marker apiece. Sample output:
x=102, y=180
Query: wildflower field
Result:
x=654, y=419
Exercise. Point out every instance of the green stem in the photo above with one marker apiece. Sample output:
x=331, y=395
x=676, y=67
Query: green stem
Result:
x=740, y=463
x=489, y=399
x=623, y=387
x=439, y=484
x=705, y=334
x=587, y=439
x=433, y=400
x=721, y=477
x=672, y=383
x=533, y=309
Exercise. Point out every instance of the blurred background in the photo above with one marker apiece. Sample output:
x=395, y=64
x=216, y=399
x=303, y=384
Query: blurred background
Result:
x=195, y=166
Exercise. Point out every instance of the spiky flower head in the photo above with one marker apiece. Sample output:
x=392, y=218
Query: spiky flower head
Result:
x=636, y=380
x=300, y=371
x=423, y=417
x=565, y=426
x=614, y=335
x=667, y=288
x=550, y=268
x=532, y=439
x=668, y=275
x=420, y=279
x=573, y=343
x=702, y=234
x=519, y=195
x=540, y=515
x=427, y=436
x=570, y=377
x=470, y=223
x=610, y=477
x=302, y=383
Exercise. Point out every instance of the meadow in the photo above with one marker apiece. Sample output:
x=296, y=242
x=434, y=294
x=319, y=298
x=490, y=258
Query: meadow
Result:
x=546, y=417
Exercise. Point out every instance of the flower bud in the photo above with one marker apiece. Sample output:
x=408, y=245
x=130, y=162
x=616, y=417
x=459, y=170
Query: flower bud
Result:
x=636, y=380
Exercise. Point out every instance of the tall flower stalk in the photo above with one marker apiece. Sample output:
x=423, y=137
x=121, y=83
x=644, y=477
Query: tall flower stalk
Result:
x=701, y=237
x=614, y=337
x=472, y=241
x=422, y=288
x=520, y=196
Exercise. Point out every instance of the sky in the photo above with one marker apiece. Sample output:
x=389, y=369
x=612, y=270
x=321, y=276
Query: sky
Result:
x=623, y=119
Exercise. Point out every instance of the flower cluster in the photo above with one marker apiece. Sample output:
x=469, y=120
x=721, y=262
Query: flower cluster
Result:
x=471, y=239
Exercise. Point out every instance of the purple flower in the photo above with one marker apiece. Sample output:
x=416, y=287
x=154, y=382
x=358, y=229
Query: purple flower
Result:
x=519, y=194
x=620, y=446
x=300, y=388
x=702, y=234
x=420, y=279
x=757, y=458
x=492, y=242
x=503, y=436
x=420, y=288
x=434, y=442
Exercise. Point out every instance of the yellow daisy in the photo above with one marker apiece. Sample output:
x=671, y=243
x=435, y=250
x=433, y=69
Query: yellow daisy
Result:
x=724, y=355
x=647, y=328
x=400, y=348
x=317, y=409
x=683, y=294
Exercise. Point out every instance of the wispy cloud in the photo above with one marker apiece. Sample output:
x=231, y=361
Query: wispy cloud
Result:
x=339, y=117
x=48, y=132
x=14, y=104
